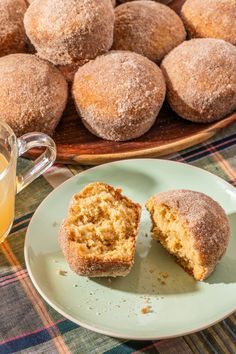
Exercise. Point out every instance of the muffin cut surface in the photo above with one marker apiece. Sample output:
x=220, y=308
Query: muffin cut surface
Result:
x=99, y=234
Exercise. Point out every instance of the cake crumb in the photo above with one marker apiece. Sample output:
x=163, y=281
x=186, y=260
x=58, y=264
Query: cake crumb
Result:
x=146, y=310
x=61, y=272
x=164, y=275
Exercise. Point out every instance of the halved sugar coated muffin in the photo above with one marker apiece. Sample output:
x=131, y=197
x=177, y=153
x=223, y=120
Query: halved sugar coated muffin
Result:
x=192, y=227
x=99, y=234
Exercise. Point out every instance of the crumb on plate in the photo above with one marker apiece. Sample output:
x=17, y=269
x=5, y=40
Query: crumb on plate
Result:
x=61, y=272
x=146, y=310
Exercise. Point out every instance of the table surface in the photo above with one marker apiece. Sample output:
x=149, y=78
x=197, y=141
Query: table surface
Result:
x=29, y=325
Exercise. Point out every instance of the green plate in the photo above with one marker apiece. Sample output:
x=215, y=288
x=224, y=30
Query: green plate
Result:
x=178, y=304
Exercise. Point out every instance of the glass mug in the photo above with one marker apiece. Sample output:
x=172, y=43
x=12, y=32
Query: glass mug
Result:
x=10, y=184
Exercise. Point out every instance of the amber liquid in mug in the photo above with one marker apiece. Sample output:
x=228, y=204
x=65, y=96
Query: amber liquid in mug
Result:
x=7, y=196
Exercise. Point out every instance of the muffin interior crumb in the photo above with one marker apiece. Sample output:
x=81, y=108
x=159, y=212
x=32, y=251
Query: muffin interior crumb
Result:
x=174, y=235
x=103, y=222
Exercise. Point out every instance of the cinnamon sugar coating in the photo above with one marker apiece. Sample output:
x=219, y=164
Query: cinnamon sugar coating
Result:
x=12, y=33
x=206, y=220
x=201, y=79
x=161, y=1
x=33, y=94
x=210, y=18
x=119, y=95
x=148, y=28
x=112, y=1
x=70, y=31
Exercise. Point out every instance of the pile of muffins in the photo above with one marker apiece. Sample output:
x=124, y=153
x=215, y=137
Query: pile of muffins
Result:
x=122, y=61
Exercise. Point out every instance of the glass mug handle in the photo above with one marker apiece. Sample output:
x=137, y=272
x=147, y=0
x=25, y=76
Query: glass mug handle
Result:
x=41, y=164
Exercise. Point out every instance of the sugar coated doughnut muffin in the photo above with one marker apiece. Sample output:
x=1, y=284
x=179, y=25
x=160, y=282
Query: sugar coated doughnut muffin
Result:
x=33, y=94
x=201, y=80
x=192, y=227
x=210, y=18
x=148, y=28
x=70, y=32
x=118, y=95
x=12, y=33
x=99, y=234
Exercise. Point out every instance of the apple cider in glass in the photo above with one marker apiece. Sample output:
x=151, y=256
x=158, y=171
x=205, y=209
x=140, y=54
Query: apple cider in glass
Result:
x=7, y=195
x=11, y=148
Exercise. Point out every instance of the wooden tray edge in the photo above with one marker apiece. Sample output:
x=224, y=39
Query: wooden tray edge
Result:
x=155, y=151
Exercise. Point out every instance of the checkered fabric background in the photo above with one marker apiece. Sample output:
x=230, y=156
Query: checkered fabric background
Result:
x=29, y=325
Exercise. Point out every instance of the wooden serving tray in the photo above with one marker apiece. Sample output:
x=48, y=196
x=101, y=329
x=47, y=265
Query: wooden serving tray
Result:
x=75, y=144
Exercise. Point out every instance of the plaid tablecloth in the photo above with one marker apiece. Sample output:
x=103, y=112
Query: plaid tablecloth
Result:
x=29, y=325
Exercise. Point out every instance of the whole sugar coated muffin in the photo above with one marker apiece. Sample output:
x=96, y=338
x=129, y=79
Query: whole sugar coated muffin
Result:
x=70, y=32
x=210, y=18
x=119, y=95
x=12, y=32
x=148, y=28
x=192, y=227
x=201, y=79
x=33, y=94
